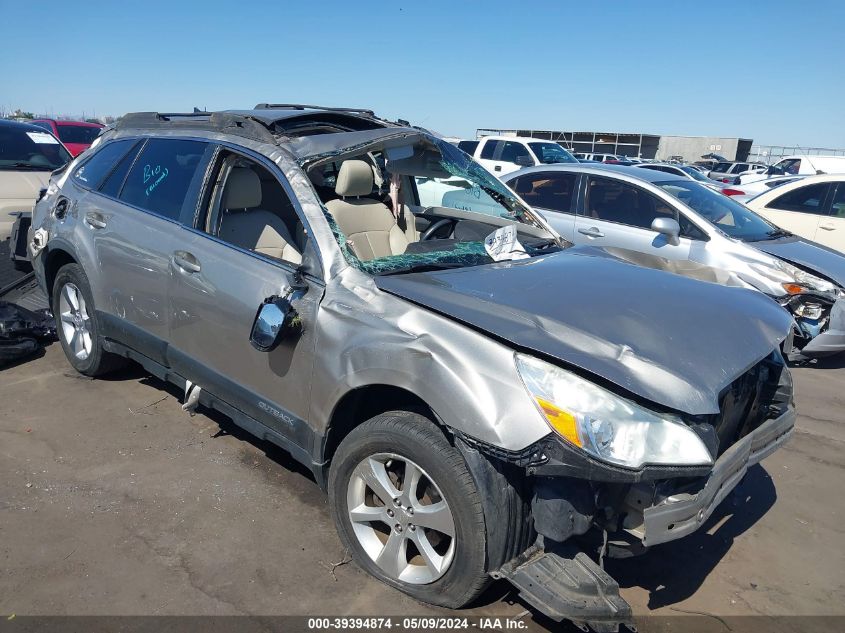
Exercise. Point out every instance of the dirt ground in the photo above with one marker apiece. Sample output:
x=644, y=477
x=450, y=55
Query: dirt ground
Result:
x=115, y=501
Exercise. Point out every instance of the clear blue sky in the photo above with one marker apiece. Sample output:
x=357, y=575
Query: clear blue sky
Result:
x=770, y=70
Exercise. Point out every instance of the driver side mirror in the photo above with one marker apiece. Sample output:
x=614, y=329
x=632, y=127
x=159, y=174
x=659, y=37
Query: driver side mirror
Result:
x=275, y=321
x=524, y=161
x=668, y=227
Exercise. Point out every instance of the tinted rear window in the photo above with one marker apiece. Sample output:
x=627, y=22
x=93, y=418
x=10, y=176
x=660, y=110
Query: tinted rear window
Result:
x=468, y=146
x=114, y=182
x=92, y=172
x=78, y=133
x=161, y=176
x=489, y=149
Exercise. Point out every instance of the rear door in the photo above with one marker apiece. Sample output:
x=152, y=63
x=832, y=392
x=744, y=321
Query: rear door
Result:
x=554, y=194
x=619, y=214
x=800, y=209
x=831, y=230
x=245, y=245
x=488, y=154
x=139, y=193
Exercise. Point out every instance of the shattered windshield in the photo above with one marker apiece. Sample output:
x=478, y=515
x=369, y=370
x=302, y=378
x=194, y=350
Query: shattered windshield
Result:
x=732, y=218
x=407, y=204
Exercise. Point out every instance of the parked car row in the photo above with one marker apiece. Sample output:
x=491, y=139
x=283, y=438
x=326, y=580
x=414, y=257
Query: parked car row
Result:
x=479, y=397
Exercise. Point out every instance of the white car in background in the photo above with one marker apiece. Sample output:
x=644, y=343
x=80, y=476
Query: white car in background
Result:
x=726, y=171
x=798, y=165
x=743, y=193
x=684, y=171
x=812, y=207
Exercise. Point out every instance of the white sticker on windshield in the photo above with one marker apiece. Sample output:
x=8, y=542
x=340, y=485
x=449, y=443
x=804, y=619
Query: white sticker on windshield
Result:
x=502, y=244
x=43, y=138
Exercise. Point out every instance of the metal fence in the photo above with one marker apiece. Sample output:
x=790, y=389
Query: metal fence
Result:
x=772, y=153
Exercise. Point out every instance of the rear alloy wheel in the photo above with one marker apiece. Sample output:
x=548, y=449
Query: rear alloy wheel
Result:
x=408, y=511
x=76, y=323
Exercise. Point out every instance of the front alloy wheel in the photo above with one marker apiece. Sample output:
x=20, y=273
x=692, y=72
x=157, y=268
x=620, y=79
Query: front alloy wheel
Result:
x=415, y=524
x=401, y=519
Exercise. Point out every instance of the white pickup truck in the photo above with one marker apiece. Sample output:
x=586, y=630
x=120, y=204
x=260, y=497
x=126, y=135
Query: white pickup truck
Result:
x=504, y=154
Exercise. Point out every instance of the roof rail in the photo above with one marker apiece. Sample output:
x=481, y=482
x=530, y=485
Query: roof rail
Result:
x=210, y=121
x=300, y=106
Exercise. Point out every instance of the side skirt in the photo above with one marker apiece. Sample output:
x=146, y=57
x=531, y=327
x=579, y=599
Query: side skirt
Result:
x=247, y=423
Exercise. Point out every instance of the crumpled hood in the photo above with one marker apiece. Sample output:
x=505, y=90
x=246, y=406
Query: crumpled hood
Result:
x=806, y=254
x=674, y=341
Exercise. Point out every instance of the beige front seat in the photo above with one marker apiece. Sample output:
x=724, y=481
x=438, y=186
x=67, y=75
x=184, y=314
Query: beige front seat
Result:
x=249, y=227
x=367, y=224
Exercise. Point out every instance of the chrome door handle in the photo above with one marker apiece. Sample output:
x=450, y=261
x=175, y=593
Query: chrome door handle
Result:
x=186, y=262
x=827, y=227
x=95, y=220
x=497, y=168
x=591, y=232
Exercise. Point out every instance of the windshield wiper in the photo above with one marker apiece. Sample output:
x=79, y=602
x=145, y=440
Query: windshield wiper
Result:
x=23, y=165
x=776, y=233
x=423, y=268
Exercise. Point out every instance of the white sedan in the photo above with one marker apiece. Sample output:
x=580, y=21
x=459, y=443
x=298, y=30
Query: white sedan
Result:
x=812, y=207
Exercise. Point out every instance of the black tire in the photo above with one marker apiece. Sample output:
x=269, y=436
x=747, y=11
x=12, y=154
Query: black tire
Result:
x=414, y=436
x=98, y=361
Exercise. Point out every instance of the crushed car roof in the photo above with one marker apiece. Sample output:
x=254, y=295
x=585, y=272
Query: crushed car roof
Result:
x=304, y=130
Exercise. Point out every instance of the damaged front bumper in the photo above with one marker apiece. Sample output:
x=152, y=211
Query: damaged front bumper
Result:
x=684, y=511
x=557, y=577
x=832, y=339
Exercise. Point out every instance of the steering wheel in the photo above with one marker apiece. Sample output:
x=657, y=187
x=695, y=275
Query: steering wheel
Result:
x=431, y=230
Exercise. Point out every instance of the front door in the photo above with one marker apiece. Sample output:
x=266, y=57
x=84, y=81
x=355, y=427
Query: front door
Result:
x=246, y=245
x=831, y=231
x=801, y=209
x=619, y=214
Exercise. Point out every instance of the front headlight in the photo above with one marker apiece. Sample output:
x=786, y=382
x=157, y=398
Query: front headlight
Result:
x=792, y=279
x=609, y=427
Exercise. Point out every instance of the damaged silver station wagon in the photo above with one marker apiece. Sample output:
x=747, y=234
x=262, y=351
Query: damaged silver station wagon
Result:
x=479, y=398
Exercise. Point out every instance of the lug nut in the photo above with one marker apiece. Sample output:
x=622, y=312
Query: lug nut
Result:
x=410, y=510
x=390, y=513
x=412, y=527
x=397, y=527
x=397, y=502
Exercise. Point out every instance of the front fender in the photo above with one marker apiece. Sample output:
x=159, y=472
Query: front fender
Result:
x=368, y=337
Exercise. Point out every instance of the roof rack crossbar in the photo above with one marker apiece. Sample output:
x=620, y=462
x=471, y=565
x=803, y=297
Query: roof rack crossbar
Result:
x=301, y=106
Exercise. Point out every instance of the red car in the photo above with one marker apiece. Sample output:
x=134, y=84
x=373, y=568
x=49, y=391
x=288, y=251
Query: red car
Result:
x=77, y=136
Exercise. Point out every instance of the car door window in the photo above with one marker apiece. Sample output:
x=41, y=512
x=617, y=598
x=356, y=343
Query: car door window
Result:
x=547, y=190
x=163, y=175
x=809, y=199
x=114, y=182
x=619, y=202
x=93, y=171
x=837, y=207
x=251, y=210
x=489, y=149
x=514, y=150
x=468, y=146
